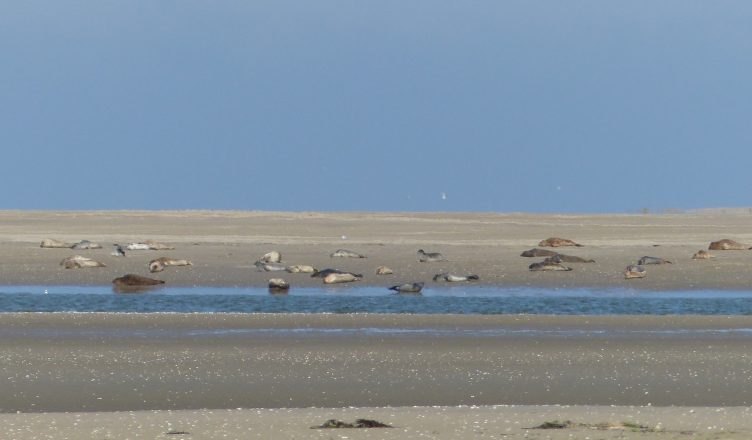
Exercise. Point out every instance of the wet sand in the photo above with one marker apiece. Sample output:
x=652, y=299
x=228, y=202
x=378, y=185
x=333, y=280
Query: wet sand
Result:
x=224, y=245
x=157, y=376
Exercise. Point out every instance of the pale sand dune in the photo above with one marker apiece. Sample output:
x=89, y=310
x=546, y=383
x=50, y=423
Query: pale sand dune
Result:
x=224, y=245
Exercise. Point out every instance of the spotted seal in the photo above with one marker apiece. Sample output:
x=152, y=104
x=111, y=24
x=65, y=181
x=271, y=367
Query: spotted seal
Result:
x=51, y=243
x=118, y=251
x=408, y=288
x=271, y=257
x=547, y=265
x=557, y=242
x=78, y=262
x=634, y=271
x=149, y=245
x=727, y=245
x=428, y=257
x=538, y=253
x=300, y=268
x=652, y=260
x=159, y=264
x=344, y=253
x=702, y=255
x=269, y=267
x=86, y=244
x=336, y=278
x=278, y=285
x=451, y=278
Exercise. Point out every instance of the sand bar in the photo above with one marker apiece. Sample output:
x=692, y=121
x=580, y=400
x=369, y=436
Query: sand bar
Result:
x=224, y=245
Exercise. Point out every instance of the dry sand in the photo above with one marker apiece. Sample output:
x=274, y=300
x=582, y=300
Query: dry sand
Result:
x=106, y=376
x=224, y=245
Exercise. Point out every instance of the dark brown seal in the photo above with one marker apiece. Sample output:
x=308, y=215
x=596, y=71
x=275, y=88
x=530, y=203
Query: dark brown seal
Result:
x=727, y=245
x=131, y=280
x=538, y=253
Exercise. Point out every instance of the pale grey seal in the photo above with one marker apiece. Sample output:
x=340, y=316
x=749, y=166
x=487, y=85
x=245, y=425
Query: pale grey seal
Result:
x=634, y=271
x=652, y=260
x=344, y=253
x=55, y=244
x=408, y=288
x=118, y=251
x=546, y=265
x=269, y=267
x=335, y=278
x=727, y=245
x=131, y=280
x=159, y=264
x=278, y=285
x=451, y=278
x=383, y=270
x=271, y=257
x=537, y=253
x=78, y=262
x=300, y=268
x=428, y=257
x=86, y=244
x=557, y=242
x=702, y=255
x=149, y=245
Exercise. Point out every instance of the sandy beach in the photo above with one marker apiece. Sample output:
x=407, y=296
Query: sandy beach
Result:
x=206, y=376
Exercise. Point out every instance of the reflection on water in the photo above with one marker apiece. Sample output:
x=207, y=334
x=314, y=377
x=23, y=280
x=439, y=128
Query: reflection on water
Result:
x=360, y=299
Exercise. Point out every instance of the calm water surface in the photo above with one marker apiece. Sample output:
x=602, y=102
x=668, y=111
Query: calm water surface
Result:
x=352, y=299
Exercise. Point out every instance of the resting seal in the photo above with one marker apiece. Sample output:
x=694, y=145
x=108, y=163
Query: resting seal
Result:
x=408, y=288
x=271, y=257
x=547, y=265
x=78, y=262
x=324, y=272
x=557, y=242
x=159, y=264
x=634, y=271
x=269, y=267
x=383, y=270
x=86, y=244
x=652, y=260
x=300, y=268
x=54, y=244
x=538, y=253
x=149, y=245
x=451, y=278
x=278, y=285
x=131, y=280
x=344, y=253
x=727, y=245
x=702, y=255
x=118, y=251
x=335, y=278
x=562, y=258
x=428, y=257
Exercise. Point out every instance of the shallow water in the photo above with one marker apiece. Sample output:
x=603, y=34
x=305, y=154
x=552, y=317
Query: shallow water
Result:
x=350, y=299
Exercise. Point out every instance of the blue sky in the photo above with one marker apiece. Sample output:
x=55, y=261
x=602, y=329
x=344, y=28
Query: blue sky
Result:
x=543, y=106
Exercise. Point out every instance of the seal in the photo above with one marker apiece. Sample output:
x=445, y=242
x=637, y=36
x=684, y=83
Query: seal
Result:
x=538, y=253
x=634, y=271
x=563, y=258
x=269, y=267
x=547, y=265
x=727, y=245
x=51, y=243
x=702, y=255
x=271, y=257
x=86, y=244
x=557, y=242
x=118, y=251
x=336, y=278
x=324, y=272
x=278, y=285
x=652, y=260
x=300, y=268
x=451, y=278
x=131, y=280
x=149, y=245
x=78, y=262
x=408, y=288
x=344, y=253
x=383, y=270
x=428, y=257
x=159, y=264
